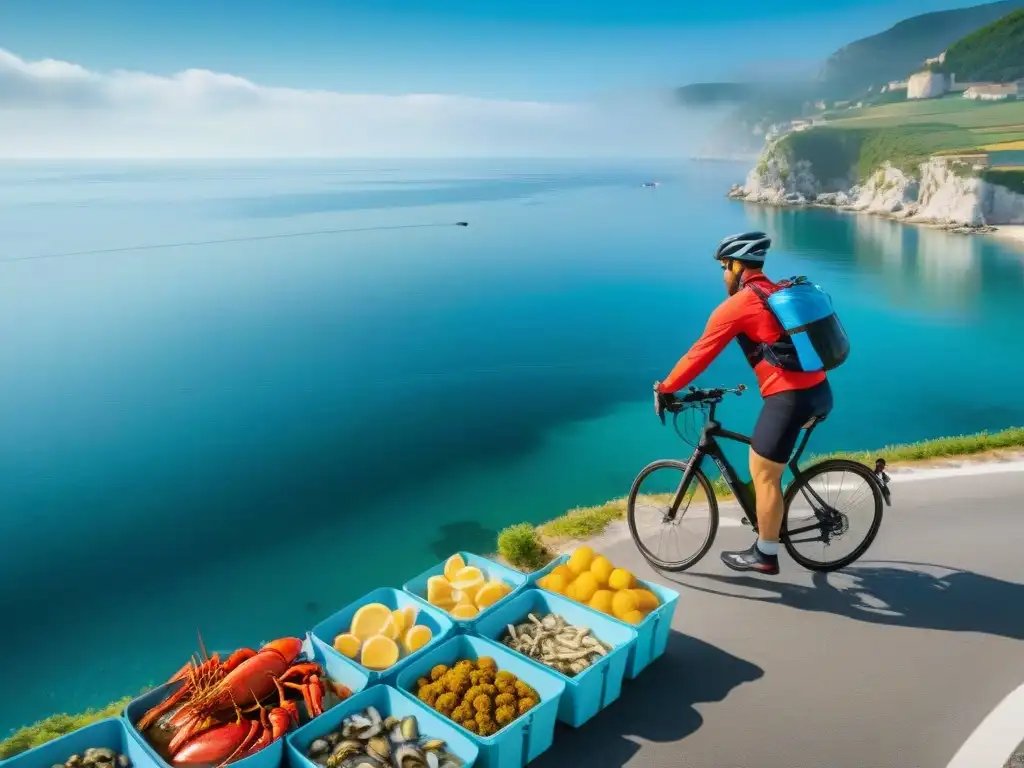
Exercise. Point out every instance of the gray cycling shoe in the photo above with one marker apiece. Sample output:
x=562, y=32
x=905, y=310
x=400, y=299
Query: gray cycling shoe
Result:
x=752, y=559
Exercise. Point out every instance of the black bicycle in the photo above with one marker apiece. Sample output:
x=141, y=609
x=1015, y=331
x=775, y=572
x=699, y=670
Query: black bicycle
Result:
x=662, y=507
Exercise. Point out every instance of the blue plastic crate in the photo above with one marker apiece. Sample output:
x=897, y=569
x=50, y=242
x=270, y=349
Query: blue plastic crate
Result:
x=437, y=620
x=271, y=756
x=595, y=688
x=652, y=632
x=111, y=733
x=387, y=701
x=526, y=737
x=418, y=586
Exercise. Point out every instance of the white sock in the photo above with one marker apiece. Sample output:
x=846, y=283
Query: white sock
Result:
x=770, y=548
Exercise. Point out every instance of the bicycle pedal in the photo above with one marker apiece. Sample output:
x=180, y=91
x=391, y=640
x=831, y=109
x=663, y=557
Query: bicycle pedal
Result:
x=745, y=521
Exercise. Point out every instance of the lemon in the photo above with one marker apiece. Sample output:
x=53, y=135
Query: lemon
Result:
x=620, y=578
x=347, y=644
x=379, y=652
x=624, y=602
x=439, y=591
x=391, y=629
x=416, y=637
x=490, y=593
x=633, y=617
x=586, y=586
x=570, y=591
x=398, y=620
x=602, y=568
x=580, y=560
x=370, y=620
x=647, y=601
x=557, y=583
x=462, y=598
x=543, y=582
x=602, y=601
x=563, y=571
x=468, y=581
x=464, y=612
x=454, y=565
x=410, y=616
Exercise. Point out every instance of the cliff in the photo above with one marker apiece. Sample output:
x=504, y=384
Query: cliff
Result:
x=941, y=191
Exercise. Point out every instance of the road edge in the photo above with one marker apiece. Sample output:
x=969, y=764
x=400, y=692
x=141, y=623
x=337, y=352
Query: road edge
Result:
x=996, y=738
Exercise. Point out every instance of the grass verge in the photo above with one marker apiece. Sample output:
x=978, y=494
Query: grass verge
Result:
x=585, y=522
x=528, y=548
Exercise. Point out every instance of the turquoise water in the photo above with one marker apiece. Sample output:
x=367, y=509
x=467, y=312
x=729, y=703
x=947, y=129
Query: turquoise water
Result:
x=241, y=438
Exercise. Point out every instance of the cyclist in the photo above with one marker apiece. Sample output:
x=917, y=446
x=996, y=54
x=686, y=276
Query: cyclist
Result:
x=791, y=398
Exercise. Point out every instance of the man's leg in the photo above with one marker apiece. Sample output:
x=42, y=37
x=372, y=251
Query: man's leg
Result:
x=767, y=477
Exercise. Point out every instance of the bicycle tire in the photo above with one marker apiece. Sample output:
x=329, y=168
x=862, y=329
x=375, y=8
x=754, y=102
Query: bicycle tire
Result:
x=833, y=465
x=705, y=484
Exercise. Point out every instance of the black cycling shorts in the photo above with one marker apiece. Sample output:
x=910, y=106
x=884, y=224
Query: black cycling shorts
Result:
x=782, y=418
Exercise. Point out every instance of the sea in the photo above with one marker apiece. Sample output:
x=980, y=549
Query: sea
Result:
x=236, y=397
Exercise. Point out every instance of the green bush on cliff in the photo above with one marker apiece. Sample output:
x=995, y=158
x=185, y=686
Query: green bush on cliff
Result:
x=54, y=727
x=993, y=53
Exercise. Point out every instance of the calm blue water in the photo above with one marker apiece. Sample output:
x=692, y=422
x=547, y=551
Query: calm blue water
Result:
x=241, y=438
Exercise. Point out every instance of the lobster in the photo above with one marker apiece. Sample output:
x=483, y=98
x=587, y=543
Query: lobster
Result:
x=227, y=743
x=209, y=689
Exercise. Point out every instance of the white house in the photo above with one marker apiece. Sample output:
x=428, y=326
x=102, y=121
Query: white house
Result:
x=992, y=92
x=940, y=59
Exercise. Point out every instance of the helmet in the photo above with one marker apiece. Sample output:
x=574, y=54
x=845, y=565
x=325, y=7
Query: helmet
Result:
x=750, y=246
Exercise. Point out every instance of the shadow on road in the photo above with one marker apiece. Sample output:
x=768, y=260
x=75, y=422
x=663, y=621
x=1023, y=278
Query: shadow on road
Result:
x=897, y=593
x=657, y=706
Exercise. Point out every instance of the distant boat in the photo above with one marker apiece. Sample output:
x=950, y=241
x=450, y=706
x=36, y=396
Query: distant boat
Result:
x=650, y=184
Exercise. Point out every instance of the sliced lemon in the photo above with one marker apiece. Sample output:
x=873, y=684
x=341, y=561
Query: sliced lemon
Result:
x=468, y=580
x=454, y=565
x=490, y=593
x=379, y=652
x=464, y=612
x=439, y=591
x=391, y=628
x=410, y=617
x=463, y=598
x=416, y=638
x=370, y=620
x=398, y=619
x=347, y=644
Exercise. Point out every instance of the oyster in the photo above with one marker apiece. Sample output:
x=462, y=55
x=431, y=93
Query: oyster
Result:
x=367, y=740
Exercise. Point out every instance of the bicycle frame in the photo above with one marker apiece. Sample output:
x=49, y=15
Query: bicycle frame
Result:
x=708, y=446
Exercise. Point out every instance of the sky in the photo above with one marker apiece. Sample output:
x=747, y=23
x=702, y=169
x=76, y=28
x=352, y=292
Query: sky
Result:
x=142, y=76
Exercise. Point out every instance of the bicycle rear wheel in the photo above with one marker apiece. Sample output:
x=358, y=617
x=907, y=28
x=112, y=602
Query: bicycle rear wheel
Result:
x=671, y=542
x=834, y=507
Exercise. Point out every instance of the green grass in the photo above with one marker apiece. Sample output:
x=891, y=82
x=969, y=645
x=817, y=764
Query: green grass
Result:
x=525, y=547
x=55, y=726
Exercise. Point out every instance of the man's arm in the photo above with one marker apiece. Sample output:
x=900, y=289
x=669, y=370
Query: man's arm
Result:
x=723, y=326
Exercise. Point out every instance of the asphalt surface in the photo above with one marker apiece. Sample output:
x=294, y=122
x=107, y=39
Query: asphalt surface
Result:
x=890, y=664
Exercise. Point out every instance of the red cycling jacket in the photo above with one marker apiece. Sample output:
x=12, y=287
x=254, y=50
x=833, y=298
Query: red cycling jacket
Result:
x=744, y=317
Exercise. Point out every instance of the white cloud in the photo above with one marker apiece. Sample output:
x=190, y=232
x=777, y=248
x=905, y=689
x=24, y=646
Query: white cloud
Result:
x=54, y=108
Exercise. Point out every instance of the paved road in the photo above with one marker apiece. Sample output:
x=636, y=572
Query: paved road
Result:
x=891, y=664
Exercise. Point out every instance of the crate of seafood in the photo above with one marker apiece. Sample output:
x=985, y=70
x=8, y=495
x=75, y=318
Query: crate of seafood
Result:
x=466, y=587
x=382, y=631
x=103, y=744
x=380, y=727
x=590, y=579
x=225, y=707
x=589, y=650
x=507, y=705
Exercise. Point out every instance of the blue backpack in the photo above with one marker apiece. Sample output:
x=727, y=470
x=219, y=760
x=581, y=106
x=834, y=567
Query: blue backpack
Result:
x=815, y=339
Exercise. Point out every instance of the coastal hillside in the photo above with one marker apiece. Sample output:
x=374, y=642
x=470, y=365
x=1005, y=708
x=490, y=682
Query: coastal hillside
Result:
x=901, y=49
x=993, y=53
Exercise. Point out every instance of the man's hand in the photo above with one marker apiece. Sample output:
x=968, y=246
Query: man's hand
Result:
x=659, y=402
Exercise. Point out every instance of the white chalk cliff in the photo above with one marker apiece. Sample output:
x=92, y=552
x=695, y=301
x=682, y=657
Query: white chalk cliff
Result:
x=947, y=192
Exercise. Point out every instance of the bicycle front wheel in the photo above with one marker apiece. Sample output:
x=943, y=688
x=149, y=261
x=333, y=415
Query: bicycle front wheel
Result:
x=673, y=528
x=833, y=513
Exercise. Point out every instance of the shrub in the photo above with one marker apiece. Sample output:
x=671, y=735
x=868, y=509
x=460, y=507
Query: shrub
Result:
x=521, y=546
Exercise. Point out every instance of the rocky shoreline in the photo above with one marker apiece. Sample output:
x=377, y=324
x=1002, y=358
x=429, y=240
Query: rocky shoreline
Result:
x=948, y=194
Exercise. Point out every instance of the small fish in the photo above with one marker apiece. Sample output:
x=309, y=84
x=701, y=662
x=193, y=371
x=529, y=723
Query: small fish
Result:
x=551, y=640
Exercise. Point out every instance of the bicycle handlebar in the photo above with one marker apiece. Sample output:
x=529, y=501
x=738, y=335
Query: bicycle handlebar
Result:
x=673, y=404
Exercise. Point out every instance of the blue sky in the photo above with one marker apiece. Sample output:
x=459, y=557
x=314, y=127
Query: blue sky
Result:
x=517, y=49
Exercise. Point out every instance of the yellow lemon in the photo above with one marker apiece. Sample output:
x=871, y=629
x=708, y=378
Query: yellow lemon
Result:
x=633, y=617
x=542, y=582
x=489, y=594
x=647, y=601
x=620, y=578
x=579, y=561
x=370, y=620
x=391, y=628
x=563, y=571
x=468, y=581
x=586, y=586
x=623, y=602
x=347, y=644
x=556, y=582
x=570, y=591
x=416, y=637
x=379, y=652
x=410, y=616
x=454, y=565
x=398, y=622
x=439, y=590
x=602, y=601
x=602, y=568
x=464, y=612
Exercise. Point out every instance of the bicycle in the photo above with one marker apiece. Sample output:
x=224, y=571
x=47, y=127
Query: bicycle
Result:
x=830, y=522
